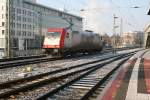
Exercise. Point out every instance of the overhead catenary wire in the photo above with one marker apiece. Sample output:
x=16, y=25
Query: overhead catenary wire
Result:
x=134, y=19
x=124, y=17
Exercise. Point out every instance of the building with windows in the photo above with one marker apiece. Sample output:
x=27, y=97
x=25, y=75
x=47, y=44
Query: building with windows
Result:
x=132, y=39
x=23, y=23
x=106, y=40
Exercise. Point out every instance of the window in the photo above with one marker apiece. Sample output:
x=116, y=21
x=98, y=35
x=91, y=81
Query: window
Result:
x=2, y=7
x=3, y=23
x=29, y=20
x=29, y=26
x=24, y=19
x=24, y=5
x=18, y=18
x=79, y=19
x=19, y=11
x=53, y=34
x=23, y=33
x=60, y=14
x=15, y=43
x=13, y=16
x=29, y=6
x=13, y=32
x=2, y=16
x=3, y=32
x=13, y=25
x=18, y=2
x=18, y=25
x=29, y=33
x=33, y=14
x=19, y=33
x=24, y=26
x=29, y=13
x=25, y=12
x=13, y=10
x=33, y=7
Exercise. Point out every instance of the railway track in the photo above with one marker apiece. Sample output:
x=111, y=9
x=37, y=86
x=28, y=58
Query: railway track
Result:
x=21, y=58
x=8, y=74
x=16, y=86
x=82, y=87
x=27, y=62
x=9, y=83
x=20, y=61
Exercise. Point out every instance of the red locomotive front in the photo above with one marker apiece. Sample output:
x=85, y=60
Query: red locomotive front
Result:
x=54, y=40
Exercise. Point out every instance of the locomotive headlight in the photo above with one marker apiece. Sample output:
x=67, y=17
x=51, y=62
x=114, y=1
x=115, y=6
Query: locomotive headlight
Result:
x=55, y=50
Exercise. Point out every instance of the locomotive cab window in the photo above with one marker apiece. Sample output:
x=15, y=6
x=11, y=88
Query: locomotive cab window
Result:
x=53, y=34
x=67, y=35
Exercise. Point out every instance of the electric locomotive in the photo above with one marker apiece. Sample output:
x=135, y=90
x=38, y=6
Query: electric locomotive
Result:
x=61, y=41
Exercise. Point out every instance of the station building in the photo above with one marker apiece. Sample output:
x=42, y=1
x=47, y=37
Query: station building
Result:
x=131, y=39
x=147, y=34
x=24, y=23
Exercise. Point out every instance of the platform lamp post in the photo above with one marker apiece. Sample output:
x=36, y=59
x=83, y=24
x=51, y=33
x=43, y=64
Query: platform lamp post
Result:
x=114, y=32
x=121, y=30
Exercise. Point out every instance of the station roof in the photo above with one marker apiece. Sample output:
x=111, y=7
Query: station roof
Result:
x=149, y=12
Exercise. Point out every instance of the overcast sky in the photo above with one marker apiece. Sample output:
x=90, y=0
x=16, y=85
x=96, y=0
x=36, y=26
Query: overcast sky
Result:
x=98, y=14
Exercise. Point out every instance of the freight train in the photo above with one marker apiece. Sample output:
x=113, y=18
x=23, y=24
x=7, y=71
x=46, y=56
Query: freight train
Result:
x=60, y=41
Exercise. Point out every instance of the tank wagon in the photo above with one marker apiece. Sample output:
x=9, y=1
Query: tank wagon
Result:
x=60, y=41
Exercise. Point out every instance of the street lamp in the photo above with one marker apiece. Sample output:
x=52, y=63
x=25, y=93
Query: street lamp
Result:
x=135, y=7
x=82, y=10
x=40, y=28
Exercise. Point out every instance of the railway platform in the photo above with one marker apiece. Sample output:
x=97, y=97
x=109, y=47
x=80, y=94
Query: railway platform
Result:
x=132, y=81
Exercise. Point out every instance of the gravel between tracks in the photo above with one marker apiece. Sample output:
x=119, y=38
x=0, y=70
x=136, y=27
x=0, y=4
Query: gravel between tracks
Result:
x=33, y=69
x=23, y=71
x=32, y=95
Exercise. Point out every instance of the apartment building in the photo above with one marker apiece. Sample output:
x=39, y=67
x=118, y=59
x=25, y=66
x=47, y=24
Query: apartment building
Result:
x=23, y=23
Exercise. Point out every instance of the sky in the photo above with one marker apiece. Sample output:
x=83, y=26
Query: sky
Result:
x=98, y=14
